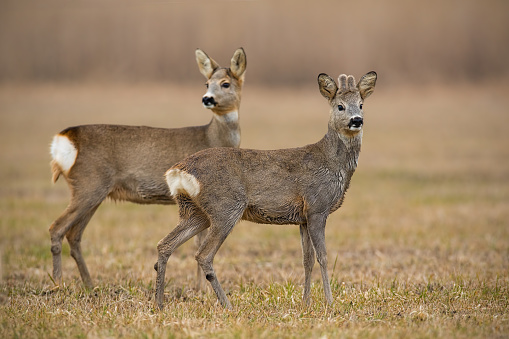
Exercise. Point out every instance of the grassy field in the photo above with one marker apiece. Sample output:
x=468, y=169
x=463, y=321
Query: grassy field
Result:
x=419, y=249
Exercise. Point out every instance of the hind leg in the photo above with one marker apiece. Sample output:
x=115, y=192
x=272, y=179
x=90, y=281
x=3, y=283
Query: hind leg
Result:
x=57, y=231
x=220, y=229
x=190, y=224
x=74, y=238
x=72, y=223
x=200, y=277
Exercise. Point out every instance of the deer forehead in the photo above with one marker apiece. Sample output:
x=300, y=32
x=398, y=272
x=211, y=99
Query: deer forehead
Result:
x=348, y=97
x=221, y=75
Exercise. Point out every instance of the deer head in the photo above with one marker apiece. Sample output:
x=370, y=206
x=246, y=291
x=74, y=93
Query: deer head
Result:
x=346, y=116
x=223, y=84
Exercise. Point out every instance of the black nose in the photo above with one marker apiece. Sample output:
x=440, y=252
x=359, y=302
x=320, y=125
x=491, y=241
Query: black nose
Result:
x=209, y=101
x=355, y=122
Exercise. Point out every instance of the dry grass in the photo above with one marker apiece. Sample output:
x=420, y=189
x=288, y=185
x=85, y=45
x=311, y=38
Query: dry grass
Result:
x=419, y=249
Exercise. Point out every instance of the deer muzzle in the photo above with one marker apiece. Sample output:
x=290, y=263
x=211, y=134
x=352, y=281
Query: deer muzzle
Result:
x=355, y=123
x=208, y=101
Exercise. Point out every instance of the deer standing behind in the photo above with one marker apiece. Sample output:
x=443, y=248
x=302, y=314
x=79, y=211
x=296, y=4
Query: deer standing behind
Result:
x=216, y=188
x=128, y=163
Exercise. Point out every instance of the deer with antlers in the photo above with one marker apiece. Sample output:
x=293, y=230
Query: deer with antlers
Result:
x=216, y=188
x=128, y=163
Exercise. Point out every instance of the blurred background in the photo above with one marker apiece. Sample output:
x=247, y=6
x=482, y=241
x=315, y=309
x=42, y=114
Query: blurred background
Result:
x=432, y=184
x=287, y=42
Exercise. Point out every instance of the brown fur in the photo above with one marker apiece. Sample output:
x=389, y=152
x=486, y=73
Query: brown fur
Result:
x=292, y=186
x=128, y=163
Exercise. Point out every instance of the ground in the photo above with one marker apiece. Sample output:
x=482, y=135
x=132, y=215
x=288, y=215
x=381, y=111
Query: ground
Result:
x=419, y=249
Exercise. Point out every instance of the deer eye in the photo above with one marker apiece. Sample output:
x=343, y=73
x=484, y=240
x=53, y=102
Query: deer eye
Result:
x=207, y=84
x=360, y=106
x=225, y=85
x=341, y=108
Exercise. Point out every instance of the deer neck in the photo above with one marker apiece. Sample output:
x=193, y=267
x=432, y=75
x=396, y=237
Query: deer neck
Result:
x=224, y=130
x=342, y=150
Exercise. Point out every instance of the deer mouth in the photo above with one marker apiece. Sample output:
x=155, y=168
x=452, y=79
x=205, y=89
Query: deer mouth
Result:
x=355, y=124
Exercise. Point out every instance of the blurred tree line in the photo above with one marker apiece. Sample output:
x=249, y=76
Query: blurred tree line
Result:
x=287, y=42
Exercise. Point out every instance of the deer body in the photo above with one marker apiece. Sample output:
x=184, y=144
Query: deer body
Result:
x=216, y=188
x=286, y=198
x=128, y=163
x=132, y=170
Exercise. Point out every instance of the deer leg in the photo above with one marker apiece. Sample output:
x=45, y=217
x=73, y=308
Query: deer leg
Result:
x=217, y=233
x=316, y=231
x=73, y=236
x=308, y=260
x=200, y=237
x=72, y=215
x=184, y=231
x=57, y=231
x=71, y=223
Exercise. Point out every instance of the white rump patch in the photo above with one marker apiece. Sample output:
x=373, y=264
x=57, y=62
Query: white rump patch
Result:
x=182, y=182
x=63, y=152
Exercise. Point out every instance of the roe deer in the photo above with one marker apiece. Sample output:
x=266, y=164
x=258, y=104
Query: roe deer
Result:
x=216, y=188
x=128, y=162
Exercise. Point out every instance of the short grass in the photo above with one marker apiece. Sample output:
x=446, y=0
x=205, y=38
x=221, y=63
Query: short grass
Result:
x=420, y=248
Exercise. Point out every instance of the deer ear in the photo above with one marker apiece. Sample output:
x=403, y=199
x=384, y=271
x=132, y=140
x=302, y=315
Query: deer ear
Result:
x=238, y=63
x=366, y=84
x=328, y=87
x=206, y=65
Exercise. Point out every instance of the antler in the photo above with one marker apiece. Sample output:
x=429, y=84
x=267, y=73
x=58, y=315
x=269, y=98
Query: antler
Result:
x=347, y=83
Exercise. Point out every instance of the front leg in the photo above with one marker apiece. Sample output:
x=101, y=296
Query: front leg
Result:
x=316, y=231
x=308, y=254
